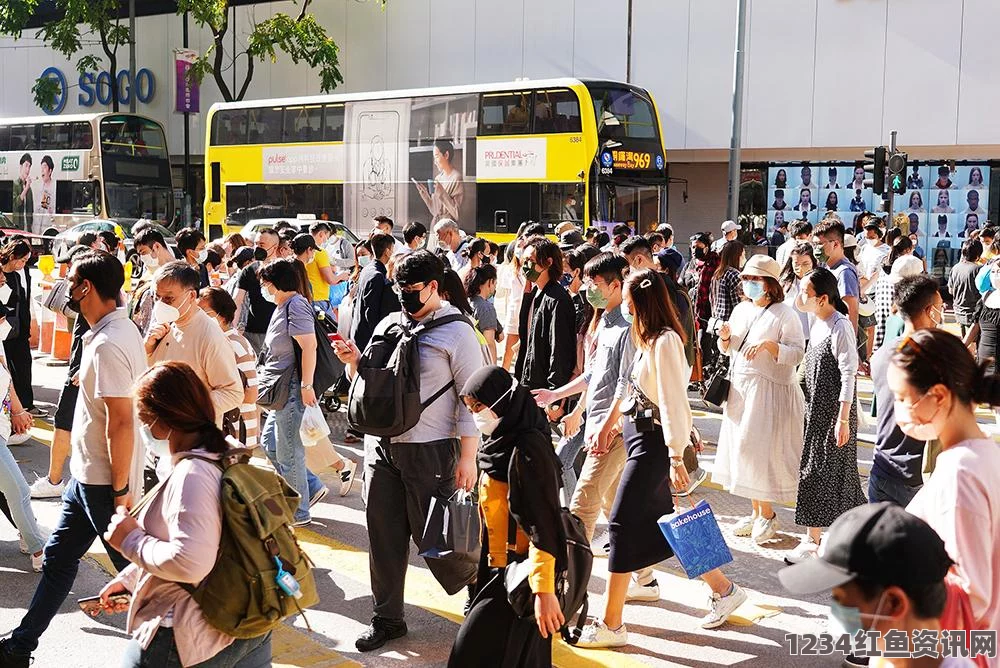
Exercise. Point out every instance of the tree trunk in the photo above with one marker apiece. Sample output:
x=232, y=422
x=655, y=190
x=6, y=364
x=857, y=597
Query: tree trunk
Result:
x=220, y=52
x=112, y=68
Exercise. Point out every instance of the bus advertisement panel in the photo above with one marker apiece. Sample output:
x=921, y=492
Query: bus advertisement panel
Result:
x=45, y=188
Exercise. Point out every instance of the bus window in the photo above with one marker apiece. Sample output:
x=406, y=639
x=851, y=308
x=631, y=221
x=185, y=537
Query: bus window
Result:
x=6, y=198
x=54, y=136
x=620, y=112
x=23, y=137
x=4, y=138
x=229, y=126
x=505, y=114
x=83, y=136
x=334, y=125
x=236, y=201
x=303, y=124
x=333, y=202
x=561, y=201
x=556, y=111
x=264, y=126
x=82, y=200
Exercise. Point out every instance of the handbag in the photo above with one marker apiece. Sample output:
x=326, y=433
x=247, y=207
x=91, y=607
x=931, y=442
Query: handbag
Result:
x=452, y=528
x=695, y=538
x=717, y=390
x=957, y=614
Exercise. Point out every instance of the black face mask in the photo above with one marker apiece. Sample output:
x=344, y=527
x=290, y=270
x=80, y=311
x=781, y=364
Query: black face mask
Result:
x=699, y=253
x=259, y=254
x=73, y=304
x=410, y=300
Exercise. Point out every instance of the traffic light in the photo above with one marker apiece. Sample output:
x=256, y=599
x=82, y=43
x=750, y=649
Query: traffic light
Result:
x=876, y=168
x=897, y=172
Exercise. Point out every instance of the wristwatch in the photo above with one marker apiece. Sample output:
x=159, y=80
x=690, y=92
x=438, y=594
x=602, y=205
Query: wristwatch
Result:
x=677, y=462
x=307, y=387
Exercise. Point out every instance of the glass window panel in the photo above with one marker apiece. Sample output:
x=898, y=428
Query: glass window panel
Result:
x=264, y=125
x=334, y=125
x=303, y=124
x=557, y=111
x=506, y=113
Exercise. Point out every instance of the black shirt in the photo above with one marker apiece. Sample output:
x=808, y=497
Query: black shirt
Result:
x=261, y=310
x=897, y=456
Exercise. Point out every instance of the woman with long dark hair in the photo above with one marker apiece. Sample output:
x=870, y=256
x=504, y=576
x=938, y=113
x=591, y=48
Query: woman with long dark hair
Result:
x=175, y=539
x=800, y=262
x=937, y=386
x=727, y=288
x=14, y=256
x=480, y=286
x=828, y=473
x=518, y=488
x=659, y=378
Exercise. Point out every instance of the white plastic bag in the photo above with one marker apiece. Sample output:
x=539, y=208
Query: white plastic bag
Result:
x=314, y=426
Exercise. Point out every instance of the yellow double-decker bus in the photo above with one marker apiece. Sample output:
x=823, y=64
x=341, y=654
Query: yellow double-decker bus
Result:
x=487, y=156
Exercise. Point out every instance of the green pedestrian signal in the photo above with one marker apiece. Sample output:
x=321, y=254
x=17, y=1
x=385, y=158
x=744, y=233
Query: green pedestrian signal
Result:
x=897, y=172
x=897, y=182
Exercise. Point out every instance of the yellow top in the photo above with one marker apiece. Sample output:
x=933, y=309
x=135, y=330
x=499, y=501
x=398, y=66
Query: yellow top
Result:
x=495, y=513
x=320, y=288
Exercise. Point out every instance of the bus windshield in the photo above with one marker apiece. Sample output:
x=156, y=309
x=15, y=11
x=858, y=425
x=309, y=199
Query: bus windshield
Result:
x=628, y=203
x=622, y=112
x=132, y=136
x=127, y=201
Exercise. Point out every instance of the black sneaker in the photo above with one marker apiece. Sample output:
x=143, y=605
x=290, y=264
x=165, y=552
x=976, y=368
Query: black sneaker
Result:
x=10, y=658
x=379, y=633
x=852, y=661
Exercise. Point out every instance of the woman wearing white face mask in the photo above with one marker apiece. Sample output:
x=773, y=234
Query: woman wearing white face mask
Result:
x=292, y=323
x=760, y=443
x=986, y=332
x=937, y=386
x=829, y=484
x=175, y=538
x=520, y=478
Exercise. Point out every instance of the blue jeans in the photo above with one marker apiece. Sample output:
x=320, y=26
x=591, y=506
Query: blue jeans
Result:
x=283, y=445
x=884, y=488
x=162, y=653
x=567, y=451
x=86, y=513
x=15, y=489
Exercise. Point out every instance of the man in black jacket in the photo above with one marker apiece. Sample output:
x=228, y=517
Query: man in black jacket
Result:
x=375, y=298
x=547, y=355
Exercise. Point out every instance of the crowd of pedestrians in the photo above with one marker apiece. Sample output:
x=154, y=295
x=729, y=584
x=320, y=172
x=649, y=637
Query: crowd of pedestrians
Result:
x=575, y=394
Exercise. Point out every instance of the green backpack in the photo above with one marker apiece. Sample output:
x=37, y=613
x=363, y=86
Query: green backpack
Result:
x=241, y=596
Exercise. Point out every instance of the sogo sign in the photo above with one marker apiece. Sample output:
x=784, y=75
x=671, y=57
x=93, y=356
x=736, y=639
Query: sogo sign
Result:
x=96, y=88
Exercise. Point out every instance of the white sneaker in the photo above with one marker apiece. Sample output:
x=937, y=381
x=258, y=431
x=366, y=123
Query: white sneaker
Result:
x=764, y=529
x=744, y=527
x=720, y=607
x=19, y=439
x=319, y=495
x=43, y=488
x=646, y=592
x=806, y=550
x=596, y=635
x=601, y=546
x=347, y=476
x=36, y=562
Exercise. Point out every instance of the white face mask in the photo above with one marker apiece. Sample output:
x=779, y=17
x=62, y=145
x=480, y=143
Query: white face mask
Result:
x=158, y=446
x=5, y=292
x=486, y=420
x=202, y=256
x=5, y=328
x=268, y=295
x=164, y=313
x=150, y=260
x=919, y=431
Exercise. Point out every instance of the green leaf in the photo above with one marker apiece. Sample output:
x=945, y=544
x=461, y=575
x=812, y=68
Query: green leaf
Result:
x=46, y=91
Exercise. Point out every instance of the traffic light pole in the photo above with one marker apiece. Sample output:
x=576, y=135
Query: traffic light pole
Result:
x=892, y=194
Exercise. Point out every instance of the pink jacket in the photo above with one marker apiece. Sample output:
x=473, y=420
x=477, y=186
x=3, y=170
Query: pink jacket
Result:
x=178, y=542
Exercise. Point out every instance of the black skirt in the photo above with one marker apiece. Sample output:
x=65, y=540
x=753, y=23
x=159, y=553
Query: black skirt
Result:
x=643, y=497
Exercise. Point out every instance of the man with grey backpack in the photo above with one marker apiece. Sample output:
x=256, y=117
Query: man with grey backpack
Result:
x=420, y=441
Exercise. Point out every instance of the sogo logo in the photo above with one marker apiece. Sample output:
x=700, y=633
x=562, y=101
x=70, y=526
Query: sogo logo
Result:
x=97, y=88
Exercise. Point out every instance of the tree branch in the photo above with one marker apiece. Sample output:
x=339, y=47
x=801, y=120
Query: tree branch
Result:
x=305, y=6
x=246, y=81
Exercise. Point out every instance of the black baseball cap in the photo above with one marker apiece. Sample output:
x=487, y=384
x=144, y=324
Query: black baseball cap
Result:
x=880, y=543
x=670, y=258
x=570, y=239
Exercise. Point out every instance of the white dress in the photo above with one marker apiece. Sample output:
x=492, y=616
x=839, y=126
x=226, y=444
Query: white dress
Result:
x=760, y=443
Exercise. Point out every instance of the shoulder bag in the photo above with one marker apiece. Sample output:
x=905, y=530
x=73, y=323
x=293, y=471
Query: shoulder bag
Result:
x=718, y=387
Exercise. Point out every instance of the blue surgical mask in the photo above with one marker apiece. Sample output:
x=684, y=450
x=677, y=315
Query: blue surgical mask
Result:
x=848, y=620
x=628, y=316
x=565, y=280
x=364, y=260
x=753, y=289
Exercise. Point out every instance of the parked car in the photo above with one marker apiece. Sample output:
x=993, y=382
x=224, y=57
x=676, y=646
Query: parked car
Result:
x=40, y=244
x=68, y=238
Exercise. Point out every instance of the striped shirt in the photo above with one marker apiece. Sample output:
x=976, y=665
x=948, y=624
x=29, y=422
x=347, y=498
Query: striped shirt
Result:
x=246, y=363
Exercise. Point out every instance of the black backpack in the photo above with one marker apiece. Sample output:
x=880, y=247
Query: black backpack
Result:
x=329, y=368
x=571, y=583
x=384, y=399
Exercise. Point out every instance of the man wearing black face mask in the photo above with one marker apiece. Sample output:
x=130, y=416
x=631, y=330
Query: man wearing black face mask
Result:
x=248, y=293
x=374, y=299
x=433, y=458
x=706, y=261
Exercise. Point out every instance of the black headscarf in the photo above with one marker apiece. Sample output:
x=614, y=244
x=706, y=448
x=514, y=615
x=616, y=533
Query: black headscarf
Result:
x=518, y=413
x=534, y=475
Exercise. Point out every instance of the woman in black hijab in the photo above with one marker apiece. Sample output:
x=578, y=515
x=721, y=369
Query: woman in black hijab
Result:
x=519, y=487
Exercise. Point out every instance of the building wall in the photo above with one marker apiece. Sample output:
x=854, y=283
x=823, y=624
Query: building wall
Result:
x=707, y=190
x=816, y=82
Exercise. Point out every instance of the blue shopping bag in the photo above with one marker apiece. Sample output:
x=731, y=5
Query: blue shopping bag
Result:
x=696, y=540
x=337, y=293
